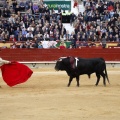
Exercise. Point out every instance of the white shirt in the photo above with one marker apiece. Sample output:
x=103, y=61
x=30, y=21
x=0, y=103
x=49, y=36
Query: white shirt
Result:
x=29, y=35
x=3, y=61
x=45, y=44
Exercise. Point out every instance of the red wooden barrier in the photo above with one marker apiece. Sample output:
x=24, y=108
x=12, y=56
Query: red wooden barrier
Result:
x=109, y=54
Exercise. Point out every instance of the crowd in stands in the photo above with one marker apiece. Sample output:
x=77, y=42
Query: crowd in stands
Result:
x=99, y=22
x=33, y=25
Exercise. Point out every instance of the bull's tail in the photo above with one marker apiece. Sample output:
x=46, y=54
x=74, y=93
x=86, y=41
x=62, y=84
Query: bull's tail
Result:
x=106, y=75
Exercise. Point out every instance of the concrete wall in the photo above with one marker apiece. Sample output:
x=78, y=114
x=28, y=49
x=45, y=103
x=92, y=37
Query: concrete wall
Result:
x=52, y=65
x=109, y=54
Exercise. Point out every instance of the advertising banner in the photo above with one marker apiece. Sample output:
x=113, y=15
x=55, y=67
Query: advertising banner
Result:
x=65, y=5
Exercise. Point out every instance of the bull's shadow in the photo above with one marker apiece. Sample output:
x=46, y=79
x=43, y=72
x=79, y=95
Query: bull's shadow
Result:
x=75, y=67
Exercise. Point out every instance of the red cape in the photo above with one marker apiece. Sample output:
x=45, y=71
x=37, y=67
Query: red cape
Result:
x=15, y=73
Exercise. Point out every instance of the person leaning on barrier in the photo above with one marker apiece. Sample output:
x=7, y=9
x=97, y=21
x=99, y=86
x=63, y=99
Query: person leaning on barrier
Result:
x=64, y=16
x=118, y=45
x=72, y=18
x=104, y=42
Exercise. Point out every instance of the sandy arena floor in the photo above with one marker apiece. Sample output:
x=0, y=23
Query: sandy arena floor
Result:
x=45, y=96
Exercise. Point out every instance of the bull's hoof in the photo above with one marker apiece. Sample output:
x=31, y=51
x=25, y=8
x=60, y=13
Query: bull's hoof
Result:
x=68, y=85
x=96, y=84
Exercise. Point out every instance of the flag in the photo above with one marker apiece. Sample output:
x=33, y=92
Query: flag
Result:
x=15, y=73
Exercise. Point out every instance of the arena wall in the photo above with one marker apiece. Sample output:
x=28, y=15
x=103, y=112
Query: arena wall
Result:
x=109, y=54
x=48, y=57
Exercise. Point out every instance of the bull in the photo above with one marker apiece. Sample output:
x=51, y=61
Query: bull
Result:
x=75, y=67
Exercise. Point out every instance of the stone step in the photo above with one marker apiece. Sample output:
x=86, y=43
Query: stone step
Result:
x=81, y=8
x=68, y=27
x=35, y=1
x=80, y=1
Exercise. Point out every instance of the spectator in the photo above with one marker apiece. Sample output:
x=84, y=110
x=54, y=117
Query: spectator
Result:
x=77, y=43
x=45, y=44
x=73, y=41
x=22, y=45
x=72, y=18
x=85, y=44
x=17, y=9
x=62, y=45
x=70, y=47
x=92, y=44
x=22, y=5
x=84, y=2
x=117, y=38
x=35, y=43
x=24, y=38
x=14, y=4
x=12, y=38
x=46, y=36
x=51, y=34
x=103, y=41
x=52, y=45
x=67, y=35
x=40, y=45
x=30, y=28
x=27, y=4
x=0, y=12
x=35, y=8
x=29, y=35
x=6, y=13
x=14, y=45
x=84, y=38
x=59, y=10
x=111, y=38
x=11, y=19
x=24, y=31
x=16, y=33
x=6, y=38
x=30, y=8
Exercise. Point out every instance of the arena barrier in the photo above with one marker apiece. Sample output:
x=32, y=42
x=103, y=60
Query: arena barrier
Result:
x=47, y=57
x=51, y=64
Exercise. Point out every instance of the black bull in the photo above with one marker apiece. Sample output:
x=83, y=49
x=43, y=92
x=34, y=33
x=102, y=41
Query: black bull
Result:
x=79, y=66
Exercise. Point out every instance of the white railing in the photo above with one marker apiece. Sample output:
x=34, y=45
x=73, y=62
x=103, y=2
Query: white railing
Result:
x=39, y=64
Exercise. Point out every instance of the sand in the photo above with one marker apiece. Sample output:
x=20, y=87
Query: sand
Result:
x=45, y=96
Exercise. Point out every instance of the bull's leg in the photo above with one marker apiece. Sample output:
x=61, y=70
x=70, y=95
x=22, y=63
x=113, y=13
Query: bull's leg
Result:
x=104, y=80
x=70, y=80
x=77, y=79
x=98, y=79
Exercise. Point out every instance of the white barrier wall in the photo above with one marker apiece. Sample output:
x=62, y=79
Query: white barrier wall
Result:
x=47, y=64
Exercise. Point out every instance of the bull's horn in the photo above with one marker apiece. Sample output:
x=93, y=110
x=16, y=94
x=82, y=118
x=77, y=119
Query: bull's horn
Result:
x=60, y=59
x=63, y=57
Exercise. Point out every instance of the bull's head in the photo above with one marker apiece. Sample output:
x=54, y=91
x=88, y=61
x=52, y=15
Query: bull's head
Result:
x=60, y=64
